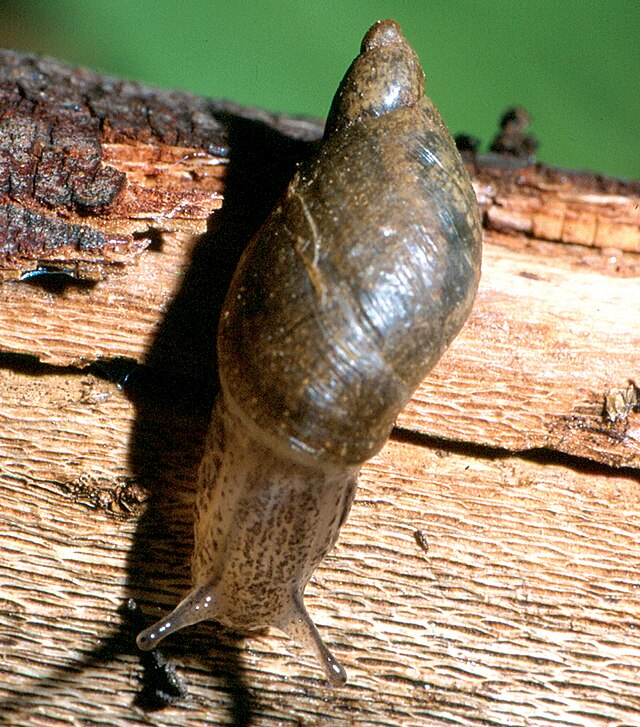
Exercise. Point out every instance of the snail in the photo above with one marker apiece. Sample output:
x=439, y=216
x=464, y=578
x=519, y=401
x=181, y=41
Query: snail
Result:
x=345, y=298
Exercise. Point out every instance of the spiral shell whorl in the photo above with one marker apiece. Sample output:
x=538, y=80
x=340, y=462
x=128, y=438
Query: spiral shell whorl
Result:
x=385, y=76
x=357, y=281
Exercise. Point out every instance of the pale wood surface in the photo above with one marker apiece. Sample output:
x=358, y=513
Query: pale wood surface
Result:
x=488, y=572
x=523, y=609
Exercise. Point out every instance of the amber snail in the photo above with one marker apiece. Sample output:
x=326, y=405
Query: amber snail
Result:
x=346, y=297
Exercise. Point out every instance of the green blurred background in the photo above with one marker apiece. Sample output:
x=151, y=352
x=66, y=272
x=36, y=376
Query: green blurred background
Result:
x=574, y=64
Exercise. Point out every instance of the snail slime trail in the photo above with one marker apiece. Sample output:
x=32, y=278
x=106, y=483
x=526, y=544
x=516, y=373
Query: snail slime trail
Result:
x=346, y=297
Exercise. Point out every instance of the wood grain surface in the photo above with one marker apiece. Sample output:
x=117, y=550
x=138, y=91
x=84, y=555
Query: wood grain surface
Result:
x=488, y=571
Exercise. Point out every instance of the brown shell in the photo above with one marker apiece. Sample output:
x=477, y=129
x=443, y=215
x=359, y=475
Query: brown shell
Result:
x=363, y=273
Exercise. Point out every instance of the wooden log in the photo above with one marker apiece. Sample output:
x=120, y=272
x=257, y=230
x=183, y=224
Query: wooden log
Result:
x=488, y=570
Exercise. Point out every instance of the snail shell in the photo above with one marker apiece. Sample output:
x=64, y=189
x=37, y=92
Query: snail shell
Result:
x=345, y=298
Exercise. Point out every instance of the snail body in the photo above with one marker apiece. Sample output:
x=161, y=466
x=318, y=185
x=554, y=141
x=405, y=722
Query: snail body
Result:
x=346, y=297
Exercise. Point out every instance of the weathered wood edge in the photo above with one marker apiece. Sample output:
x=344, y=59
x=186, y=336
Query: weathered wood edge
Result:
x=151, y=165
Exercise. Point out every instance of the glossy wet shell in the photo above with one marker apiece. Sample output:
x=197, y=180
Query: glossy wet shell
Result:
x=353, y=287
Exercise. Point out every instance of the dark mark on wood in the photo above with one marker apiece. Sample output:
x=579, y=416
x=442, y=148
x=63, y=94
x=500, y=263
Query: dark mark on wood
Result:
x=29, y=239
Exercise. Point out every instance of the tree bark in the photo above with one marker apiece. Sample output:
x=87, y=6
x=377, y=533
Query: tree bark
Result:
x=488, y=572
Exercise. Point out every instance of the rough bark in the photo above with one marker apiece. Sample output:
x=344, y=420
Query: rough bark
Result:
x=488, y=572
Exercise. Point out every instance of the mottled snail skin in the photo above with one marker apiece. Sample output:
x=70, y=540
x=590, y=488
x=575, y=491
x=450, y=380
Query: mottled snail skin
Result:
x=346, y=297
